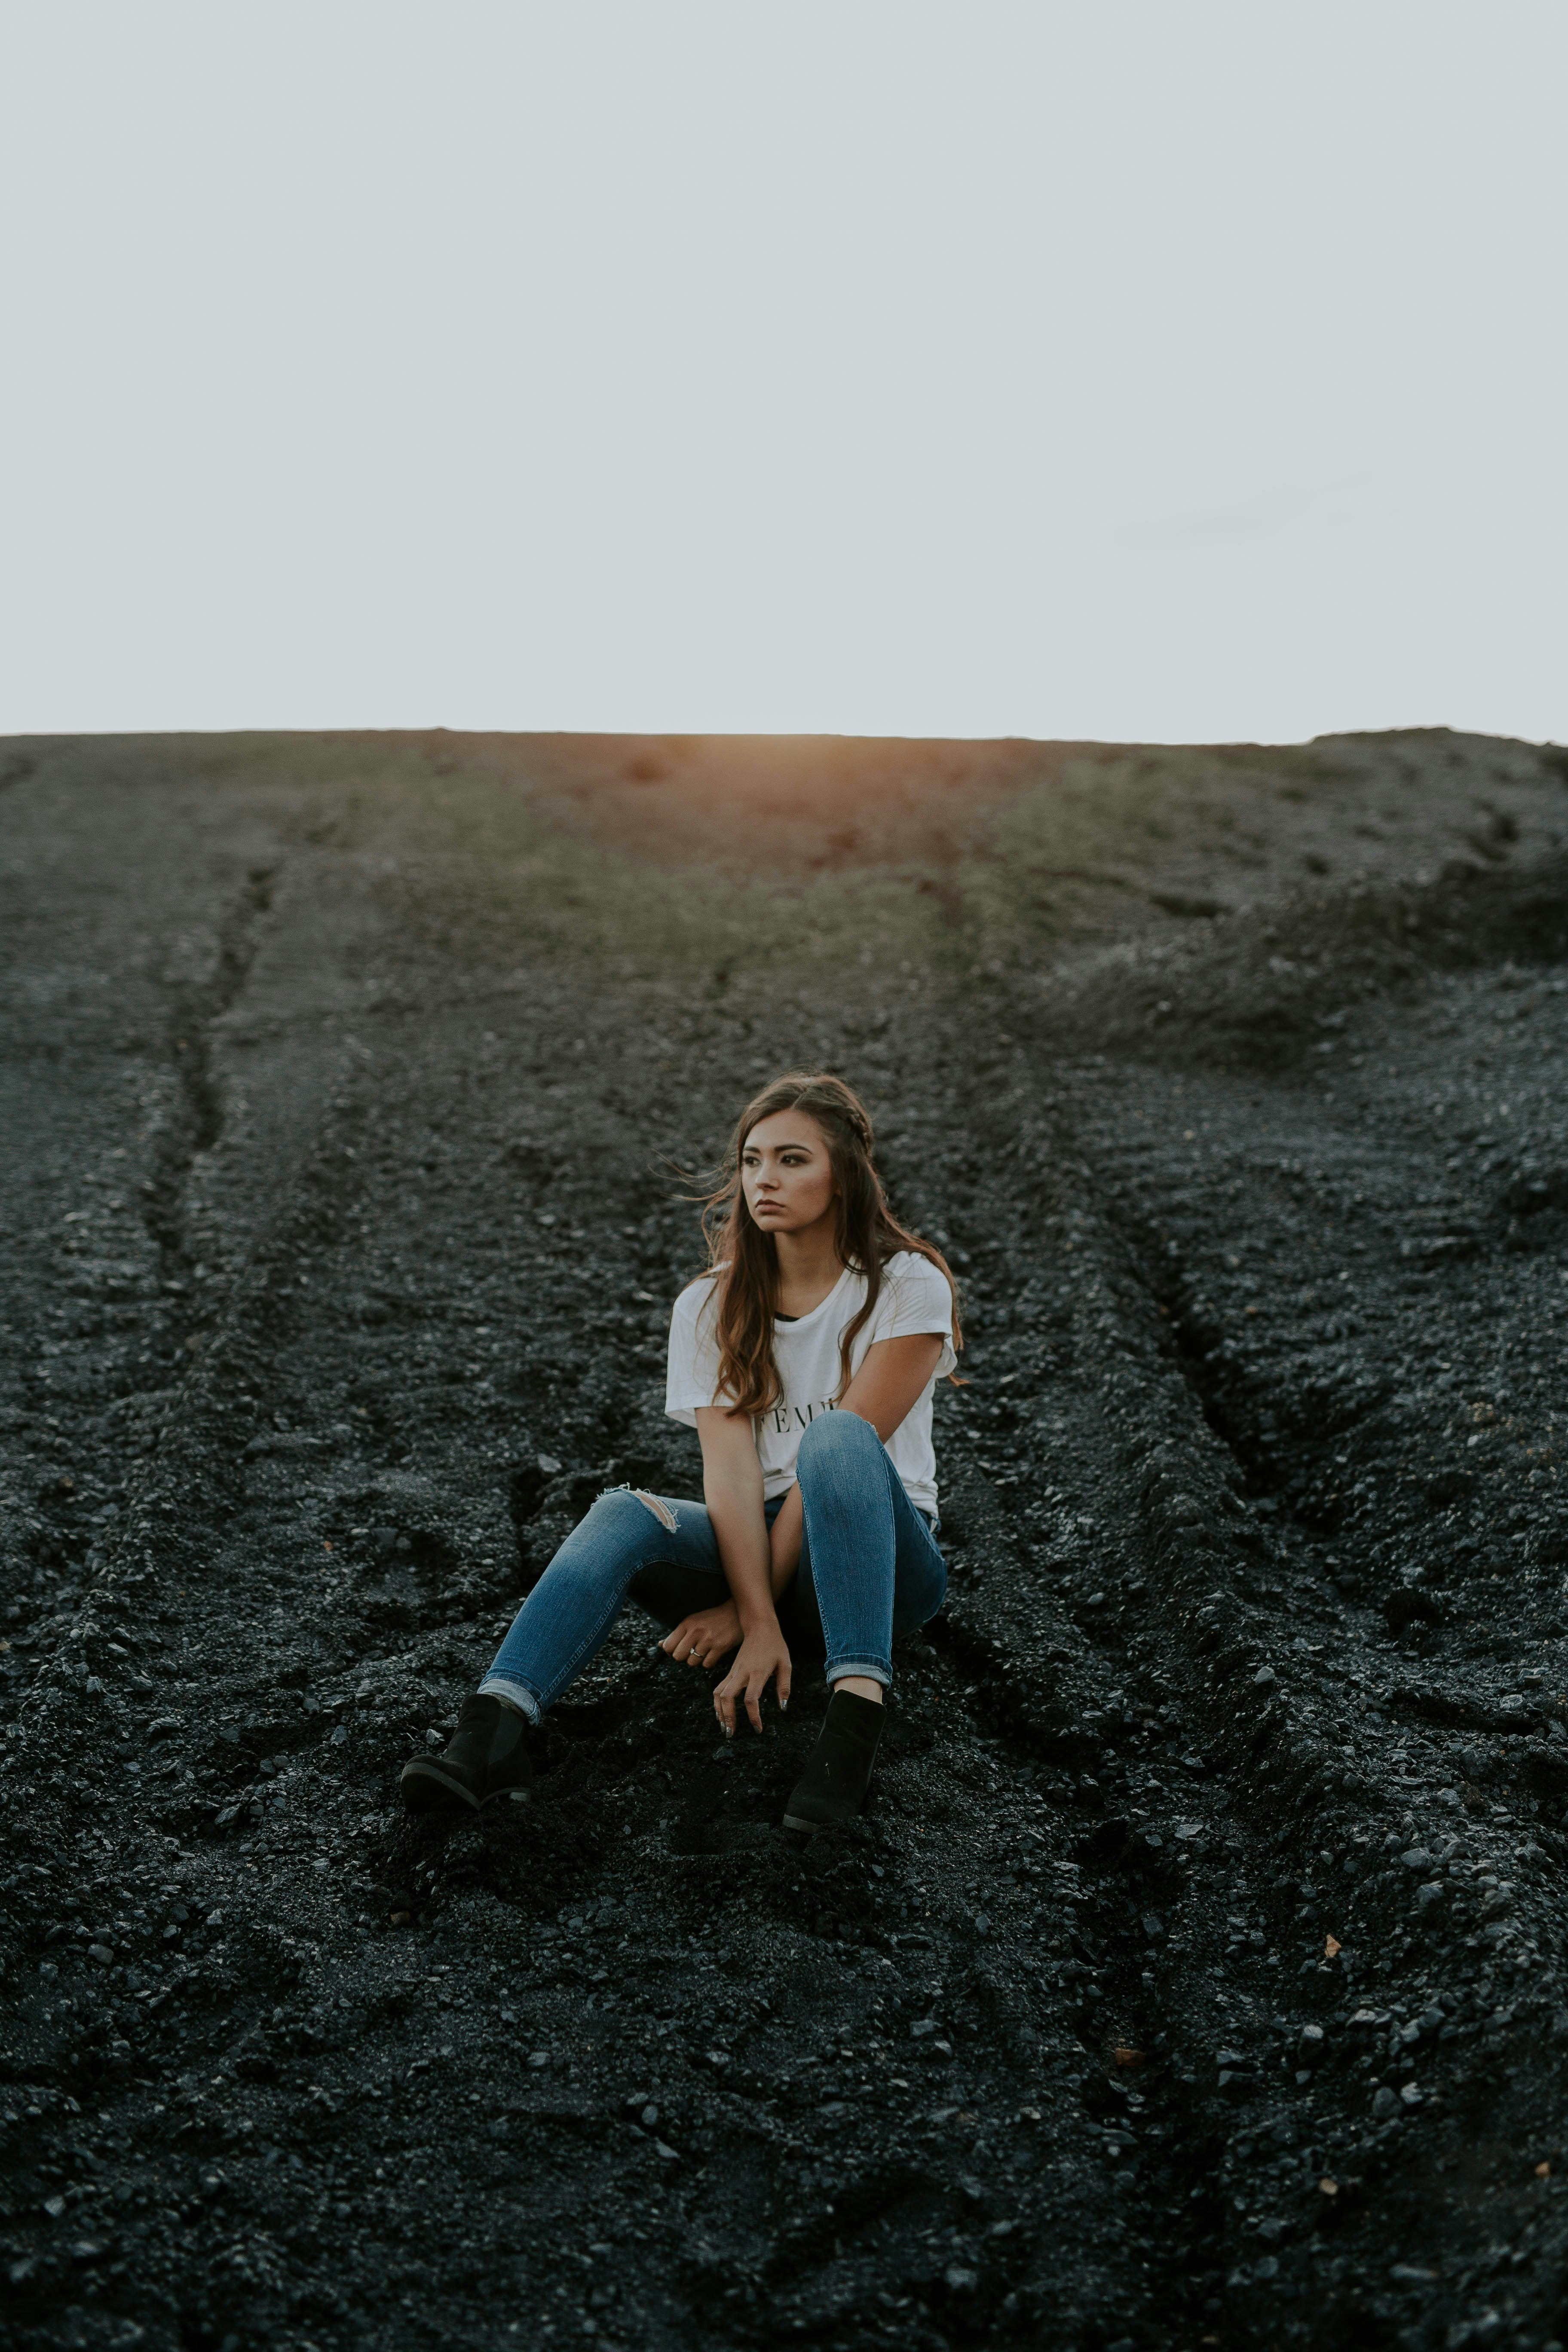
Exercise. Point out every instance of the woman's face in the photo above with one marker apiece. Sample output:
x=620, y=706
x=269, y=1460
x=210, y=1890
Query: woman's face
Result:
x=786, y=1174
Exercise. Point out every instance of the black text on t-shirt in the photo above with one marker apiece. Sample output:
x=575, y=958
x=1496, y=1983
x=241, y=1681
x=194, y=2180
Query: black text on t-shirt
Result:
x=788, y=1416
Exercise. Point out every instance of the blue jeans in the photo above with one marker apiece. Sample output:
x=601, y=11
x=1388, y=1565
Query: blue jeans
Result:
x=869, y=1570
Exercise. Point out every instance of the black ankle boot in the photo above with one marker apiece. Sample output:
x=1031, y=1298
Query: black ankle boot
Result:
x=487, y=1759
x=839, y=1769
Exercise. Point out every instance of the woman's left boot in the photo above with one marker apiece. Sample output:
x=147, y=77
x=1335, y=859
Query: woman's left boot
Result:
x=488, y=1757
x=838, y=1771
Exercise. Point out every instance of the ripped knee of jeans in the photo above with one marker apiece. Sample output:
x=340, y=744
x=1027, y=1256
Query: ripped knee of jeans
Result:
x=653, y=1503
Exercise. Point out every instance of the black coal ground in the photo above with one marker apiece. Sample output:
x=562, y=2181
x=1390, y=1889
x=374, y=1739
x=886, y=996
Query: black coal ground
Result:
x=1198, y=1976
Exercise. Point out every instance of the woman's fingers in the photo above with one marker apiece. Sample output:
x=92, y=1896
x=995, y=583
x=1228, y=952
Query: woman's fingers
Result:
x=700, y=1641
x=782, y=1685
x=748, y=1689
x=692, y=1643
x=724, y=1701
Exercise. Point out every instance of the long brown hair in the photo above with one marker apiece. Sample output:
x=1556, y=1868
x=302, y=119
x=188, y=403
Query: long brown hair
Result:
x=744, y=1260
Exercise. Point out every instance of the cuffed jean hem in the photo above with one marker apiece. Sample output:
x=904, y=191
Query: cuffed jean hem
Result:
x=871, y=1670
x=517, y=1695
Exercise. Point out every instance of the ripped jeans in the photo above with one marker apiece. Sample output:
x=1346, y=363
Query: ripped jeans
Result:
x=870, y=1571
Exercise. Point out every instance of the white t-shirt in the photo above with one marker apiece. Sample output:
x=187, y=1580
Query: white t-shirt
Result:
x=914, y=1297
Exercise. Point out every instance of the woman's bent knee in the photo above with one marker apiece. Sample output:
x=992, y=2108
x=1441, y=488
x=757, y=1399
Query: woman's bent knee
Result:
x=619, y=1515
x=838, y=1434
x=613, y=1539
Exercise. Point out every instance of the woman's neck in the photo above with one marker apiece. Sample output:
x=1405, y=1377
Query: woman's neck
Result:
x=809, y=1265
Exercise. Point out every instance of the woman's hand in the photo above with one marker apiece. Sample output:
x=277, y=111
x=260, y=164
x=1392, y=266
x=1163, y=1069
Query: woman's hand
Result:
x=703, y=1640
x=732, y=1489
x=765, y=1658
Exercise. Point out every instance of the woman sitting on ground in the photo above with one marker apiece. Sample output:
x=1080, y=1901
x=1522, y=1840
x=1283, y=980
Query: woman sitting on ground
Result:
x=805, y=1360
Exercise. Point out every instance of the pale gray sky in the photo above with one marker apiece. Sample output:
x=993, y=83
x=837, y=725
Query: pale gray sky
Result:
x=1124, y=371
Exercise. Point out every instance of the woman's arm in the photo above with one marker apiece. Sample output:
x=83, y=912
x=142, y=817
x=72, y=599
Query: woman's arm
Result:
x=733, y=1490
x=884, y=1392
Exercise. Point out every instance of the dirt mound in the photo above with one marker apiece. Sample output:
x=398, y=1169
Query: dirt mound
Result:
x=1197, y=1975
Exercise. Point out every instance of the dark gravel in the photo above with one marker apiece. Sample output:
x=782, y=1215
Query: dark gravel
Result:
x=1198, y=1979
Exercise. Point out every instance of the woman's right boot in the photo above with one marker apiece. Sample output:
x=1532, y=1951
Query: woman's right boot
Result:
x=838, y=1771
x=488, y=1757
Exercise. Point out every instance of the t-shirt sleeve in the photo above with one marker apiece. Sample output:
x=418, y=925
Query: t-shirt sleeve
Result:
x=916, y=1297
x=691, y=1378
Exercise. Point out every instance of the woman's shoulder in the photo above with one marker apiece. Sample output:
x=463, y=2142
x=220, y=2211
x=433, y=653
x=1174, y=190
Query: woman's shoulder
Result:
x=911, y=1285
x=912, y=1267
x=690, y=1301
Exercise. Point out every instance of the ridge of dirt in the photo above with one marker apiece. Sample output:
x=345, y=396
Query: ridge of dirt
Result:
x=1197, y=1976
